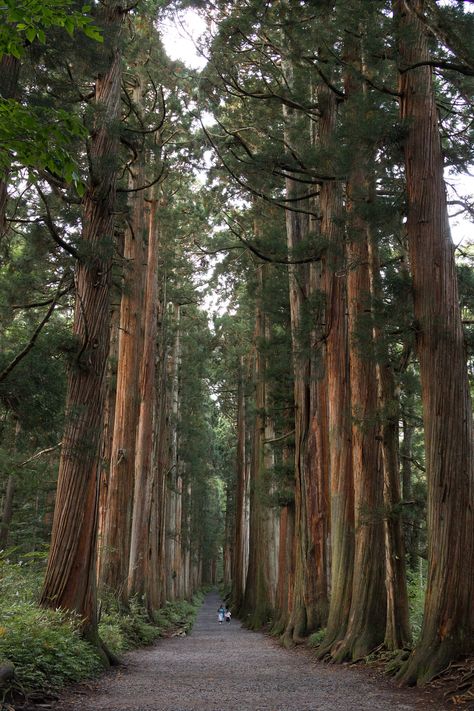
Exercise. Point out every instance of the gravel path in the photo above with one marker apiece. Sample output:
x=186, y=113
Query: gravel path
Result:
x=226, y=668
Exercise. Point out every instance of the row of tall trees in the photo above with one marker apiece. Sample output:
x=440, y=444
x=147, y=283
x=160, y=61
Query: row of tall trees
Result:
x=330, y=403
x=335, y=124
x=95, y=227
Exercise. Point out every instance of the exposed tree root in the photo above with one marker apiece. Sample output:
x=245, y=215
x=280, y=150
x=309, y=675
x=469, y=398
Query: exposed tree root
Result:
x=457, y=682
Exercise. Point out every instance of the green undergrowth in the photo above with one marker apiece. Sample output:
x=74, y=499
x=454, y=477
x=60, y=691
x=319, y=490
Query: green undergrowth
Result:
x=45, y=646
x=316, y=638
x=133, y=628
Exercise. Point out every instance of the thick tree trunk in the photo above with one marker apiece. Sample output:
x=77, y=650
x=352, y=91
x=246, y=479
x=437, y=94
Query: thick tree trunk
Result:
x=397, y=633
x=9, y=75
x=448, y=624
x=7, y=512
x=411, y=530
x=70, y=581
x=286, y=560
x=238, y=569
x=171, y=492
x=339, y=396
x=366, y=627
x=317, y=464
x=271, y=513
x=108, y=428
x=297, y=231
x=140, y=544
x=257, y=598
x=118, y=519
x=161, y=445
x=227, y=552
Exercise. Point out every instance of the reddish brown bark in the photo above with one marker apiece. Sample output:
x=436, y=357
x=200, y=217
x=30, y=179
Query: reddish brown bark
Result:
x=107, y=433
x=257, y=597
x=70, y=580
x=448, y=624
x=303, y=596
x=142, y=532
x=366, y=625
x=172, y=491
x=338, y=390
x=283, y=602
x=397, y=633
x=118, y=518
x=238, y=569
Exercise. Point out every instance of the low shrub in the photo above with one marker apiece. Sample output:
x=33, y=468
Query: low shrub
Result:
x=123, y=630
x=316, y=638
x=126, y=630
x=44, y=646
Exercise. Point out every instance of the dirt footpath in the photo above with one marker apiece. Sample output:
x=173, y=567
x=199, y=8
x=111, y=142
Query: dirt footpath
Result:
x=226, y=668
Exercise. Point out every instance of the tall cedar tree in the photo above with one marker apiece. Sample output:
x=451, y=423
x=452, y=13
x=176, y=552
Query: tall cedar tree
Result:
x=70, y=581
x=448, y=623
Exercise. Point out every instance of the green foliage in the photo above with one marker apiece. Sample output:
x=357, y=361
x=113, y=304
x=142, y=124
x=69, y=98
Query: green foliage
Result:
x=39, y=137
x=316, y=638
x=25, y=21
x=134, y=628
x=416, y=599
x=44, y=645
x=126, y=630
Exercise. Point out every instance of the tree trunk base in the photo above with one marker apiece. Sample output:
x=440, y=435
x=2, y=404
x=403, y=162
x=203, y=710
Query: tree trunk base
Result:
x=428, y=660
x=354, y=648
x=7, y=672
x=327, y=647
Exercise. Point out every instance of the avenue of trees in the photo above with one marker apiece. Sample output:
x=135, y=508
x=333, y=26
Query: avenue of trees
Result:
x=312, y=447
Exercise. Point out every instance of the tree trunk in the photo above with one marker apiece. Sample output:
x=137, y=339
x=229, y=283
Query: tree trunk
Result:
x=397, y=633
x=411, y=531
x=70, y=581
x=257, y=604
x=366, y=627
x=271, y=512
x=9, y=75
x=108, y=428
x=238, y=569
x=7, y=513
x=141, y=534
x=161, y=448
x=339, y=396
x=171, y=493
x=448, y=623
x=283, y=602
x=297, y=232
x=118, y=519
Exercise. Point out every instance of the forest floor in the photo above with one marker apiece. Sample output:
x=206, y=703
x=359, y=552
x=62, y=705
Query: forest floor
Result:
x=227, y=668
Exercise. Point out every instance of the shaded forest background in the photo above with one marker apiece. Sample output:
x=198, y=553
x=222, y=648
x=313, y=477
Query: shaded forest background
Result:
x=308, y=445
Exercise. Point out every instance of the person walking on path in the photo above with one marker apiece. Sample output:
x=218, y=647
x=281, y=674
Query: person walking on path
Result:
x=221, y=614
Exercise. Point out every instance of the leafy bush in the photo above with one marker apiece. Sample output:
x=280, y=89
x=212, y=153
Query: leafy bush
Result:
x=316, y=638
x=134, y=628
x=44, y=646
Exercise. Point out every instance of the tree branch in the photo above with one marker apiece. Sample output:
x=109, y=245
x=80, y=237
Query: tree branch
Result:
x=6, y=371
